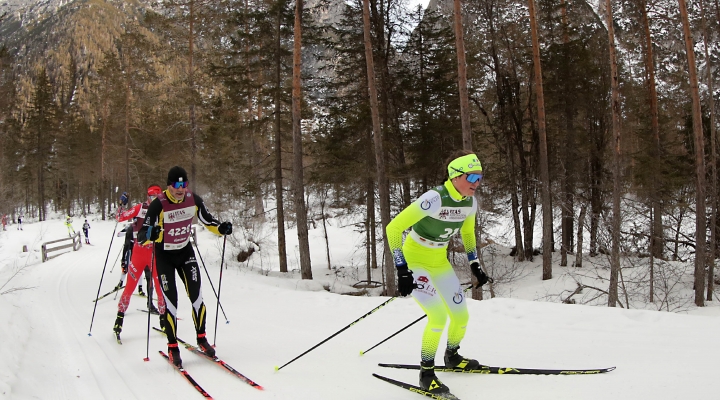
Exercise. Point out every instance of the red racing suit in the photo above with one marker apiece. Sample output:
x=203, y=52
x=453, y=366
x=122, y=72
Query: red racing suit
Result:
x=141, y=259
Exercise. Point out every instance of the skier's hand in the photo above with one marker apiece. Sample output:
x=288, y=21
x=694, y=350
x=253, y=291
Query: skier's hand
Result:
x=406, y=282
x=225, y=228
x=154, y=233
x=124, y=267
x=479, y=274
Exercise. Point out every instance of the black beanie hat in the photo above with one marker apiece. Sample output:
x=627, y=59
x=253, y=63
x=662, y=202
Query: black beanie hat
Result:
x=176, y=174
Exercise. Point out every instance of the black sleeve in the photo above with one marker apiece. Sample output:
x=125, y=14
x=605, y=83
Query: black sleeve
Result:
x=203, y=214
x=151, y=218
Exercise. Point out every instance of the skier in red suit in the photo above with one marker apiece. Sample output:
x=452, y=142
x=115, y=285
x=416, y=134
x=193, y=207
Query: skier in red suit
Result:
x=141, y=259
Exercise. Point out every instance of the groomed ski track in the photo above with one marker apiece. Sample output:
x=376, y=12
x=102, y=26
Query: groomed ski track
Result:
x=47, y=353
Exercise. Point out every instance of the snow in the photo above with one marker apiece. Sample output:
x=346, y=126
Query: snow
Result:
x=46, y=352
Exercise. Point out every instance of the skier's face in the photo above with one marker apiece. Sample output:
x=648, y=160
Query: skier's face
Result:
x=177, y=192
x=464, y=186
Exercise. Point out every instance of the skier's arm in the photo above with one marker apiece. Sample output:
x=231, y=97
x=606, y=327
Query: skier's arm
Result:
x=205, y=217
x=467, y=232
x=425, y=205
x=152, y=217
x=129, y=213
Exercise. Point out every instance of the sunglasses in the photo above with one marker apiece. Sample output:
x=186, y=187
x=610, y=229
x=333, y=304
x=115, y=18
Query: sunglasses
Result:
x=472, y=178
x=178, y=185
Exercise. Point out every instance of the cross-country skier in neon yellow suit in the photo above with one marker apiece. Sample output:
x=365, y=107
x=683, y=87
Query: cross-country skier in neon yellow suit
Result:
x=435, y=217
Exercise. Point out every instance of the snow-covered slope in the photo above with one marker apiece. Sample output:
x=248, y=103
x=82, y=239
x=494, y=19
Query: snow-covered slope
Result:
x=46, y=353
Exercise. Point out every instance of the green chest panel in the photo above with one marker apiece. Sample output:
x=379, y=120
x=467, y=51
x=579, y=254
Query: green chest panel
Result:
x=446, y=219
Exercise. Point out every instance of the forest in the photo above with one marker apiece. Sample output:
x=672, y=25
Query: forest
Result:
x=585, y=115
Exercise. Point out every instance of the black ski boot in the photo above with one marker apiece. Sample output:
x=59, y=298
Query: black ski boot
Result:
x=118, y=326
x=456, y=361
x=162, y=322
x=174, y=354
x=152, y=309
x=118, y=322
x=204, y=346
x=429, y=381
x=140, y=291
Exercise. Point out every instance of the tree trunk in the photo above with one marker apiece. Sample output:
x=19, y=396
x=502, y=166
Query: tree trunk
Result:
x=299, y=188
x=280, y=210
x=700, y=220
x=657, y=241
x=713, y=165
x=191, y=108
x=383, y=185
x=615, y=87
x=580, y=229
x=462, y=77
x=544, y=167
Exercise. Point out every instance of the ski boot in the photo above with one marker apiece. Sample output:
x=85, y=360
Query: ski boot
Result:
x=118, y=325
x=204, y=346
x=174, y=354
x=456, y=361
x=140, y=291
x=429, y=381
x=162, y=322
x=152, y=309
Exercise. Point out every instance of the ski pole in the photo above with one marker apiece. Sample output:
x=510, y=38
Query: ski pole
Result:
x=407, y=326
x=210, y=280
x=222, y=260
x=393, y=335
x=101, y=278
x=115, y=263
x=150, y=293
x=338, y=332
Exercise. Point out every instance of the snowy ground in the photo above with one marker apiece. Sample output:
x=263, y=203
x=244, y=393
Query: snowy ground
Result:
x=46, y=352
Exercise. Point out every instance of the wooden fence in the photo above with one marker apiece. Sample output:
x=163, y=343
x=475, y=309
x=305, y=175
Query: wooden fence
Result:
x=74, y=241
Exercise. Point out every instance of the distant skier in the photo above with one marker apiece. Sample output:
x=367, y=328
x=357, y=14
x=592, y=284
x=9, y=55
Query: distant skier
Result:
x=68, y=223
x=168, y=224
x=20, y=221
x=137, y=260
x=435, y=217
x=4, y=221
x=124, y=199
x=86, y=228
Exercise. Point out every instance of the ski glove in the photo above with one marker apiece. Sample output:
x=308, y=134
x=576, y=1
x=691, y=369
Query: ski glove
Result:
x=479, y=274
x=124, y=267
x=225, y=228
x=154, y=233
x=406, y=282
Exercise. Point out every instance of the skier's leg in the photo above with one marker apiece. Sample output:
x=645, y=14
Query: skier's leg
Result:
x=432, y=304
x=165, y=265
x=190, y=274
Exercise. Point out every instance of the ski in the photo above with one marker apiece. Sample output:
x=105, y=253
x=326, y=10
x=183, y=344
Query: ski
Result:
x=109, y=293
x=418, y=389
x=146, y=311
x=186, y=376
x=217, y=361
x=484, y=369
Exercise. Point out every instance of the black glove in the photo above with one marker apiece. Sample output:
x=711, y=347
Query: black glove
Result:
x=154, y=232
x=479, y=273
x=225, y=228
x=406, y=282
x=124, y=267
